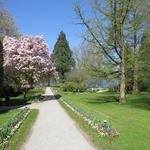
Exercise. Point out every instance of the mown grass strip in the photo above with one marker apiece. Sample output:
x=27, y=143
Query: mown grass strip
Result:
x=91, y=134
x=8, y=129
x=21, y=134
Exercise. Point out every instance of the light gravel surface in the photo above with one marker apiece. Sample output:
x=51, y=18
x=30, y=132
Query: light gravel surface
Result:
x=54, y=129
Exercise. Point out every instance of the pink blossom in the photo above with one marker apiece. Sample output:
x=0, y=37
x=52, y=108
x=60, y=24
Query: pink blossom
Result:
x=29, y=57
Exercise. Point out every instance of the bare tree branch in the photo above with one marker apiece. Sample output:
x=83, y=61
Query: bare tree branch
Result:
x=78, y=10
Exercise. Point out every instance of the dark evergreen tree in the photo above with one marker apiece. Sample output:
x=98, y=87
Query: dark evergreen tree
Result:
x=7, y=27
x=1, y=64
x=144, y=59
x=62, y=56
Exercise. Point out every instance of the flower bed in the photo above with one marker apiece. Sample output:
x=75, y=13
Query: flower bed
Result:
x=7, y=130
x=102, y=127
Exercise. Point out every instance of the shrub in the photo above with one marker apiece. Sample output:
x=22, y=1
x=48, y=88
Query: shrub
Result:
x=74, y=87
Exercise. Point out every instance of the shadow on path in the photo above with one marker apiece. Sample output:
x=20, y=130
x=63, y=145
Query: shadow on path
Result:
x=51, y=97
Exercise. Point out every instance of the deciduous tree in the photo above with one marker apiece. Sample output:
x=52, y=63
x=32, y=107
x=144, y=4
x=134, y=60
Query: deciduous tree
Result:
x=106, y=29
x=27, y=59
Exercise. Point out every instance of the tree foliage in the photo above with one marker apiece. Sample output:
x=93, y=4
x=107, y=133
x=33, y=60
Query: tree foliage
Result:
x=1, y=64
x=106, y=29
x=26, y=60
x=144, y=59
x=7, y=23
x=91, y=62
x=115, y=28
x=62, y=56
x=7, y=27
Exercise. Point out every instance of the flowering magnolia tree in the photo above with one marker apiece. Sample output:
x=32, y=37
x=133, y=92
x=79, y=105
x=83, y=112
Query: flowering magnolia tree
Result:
x=27, y=60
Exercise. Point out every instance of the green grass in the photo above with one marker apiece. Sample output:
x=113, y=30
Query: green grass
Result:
x=5, y=116
x=20, y=136
x=35, y=92
x=132, y=119
x=91, y=133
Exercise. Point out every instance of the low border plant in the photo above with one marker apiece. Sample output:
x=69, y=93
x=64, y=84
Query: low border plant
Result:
x=74, y=87
x=103, y=128
x=7, y=130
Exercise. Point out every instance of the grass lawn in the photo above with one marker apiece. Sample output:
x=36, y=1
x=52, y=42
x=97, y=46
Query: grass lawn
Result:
x=132, y=119
x=35, y=92
x=20, y=136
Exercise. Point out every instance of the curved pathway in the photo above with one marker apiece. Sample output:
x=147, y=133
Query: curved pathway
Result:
x=54, y=129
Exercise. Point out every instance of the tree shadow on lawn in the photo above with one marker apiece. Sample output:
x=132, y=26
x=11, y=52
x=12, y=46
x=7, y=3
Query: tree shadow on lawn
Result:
x=17, y=102
x=4, y=111
x=13, y=103
x=103, y=99
x=141, y=101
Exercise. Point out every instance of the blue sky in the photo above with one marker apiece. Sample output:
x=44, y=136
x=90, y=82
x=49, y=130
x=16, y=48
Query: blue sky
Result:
x=48, y=18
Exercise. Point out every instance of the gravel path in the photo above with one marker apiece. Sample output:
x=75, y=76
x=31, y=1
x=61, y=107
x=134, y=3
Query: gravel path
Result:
x=54, y=129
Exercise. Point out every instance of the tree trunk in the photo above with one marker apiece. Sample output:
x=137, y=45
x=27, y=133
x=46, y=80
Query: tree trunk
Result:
x=48, y=84
x=7, y=100
x=135, y=89
x=25, y=93
x=31, y=82
x=122, y=77
x=24, y=96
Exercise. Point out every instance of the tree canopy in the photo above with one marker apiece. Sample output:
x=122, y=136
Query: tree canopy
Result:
x=62, y=55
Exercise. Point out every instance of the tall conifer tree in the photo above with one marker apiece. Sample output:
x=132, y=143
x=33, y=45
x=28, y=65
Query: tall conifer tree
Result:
x=1, y=63
x=62, y=56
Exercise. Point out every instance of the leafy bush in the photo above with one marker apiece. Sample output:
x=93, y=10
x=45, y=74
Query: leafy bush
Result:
x=74, y=87
x=144, y=86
